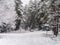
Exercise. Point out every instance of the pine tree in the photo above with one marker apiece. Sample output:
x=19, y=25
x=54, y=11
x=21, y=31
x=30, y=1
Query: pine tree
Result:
x=55, y=12
x=18, y=12
x=42, y=13
x=33, y=12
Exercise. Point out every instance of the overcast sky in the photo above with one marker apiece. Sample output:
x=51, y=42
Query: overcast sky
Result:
x=25, y=2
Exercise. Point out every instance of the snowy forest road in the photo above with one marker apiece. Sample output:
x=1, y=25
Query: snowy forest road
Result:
x=32, y=38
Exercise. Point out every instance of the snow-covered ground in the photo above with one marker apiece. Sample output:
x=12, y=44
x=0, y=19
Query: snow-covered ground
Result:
x=31, y=38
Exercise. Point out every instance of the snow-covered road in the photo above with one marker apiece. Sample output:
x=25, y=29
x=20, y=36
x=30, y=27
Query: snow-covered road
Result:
x=33, y=38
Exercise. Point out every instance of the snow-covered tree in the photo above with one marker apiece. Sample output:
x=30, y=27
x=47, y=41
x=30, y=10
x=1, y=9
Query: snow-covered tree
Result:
x=7, y=13
x=55, y=11
x=29, y=14
x=32, y=9
x=18, y=9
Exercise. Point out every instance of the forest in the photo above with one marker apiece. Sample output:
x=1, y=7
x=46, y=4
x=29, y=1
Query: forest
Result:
x=30, y=17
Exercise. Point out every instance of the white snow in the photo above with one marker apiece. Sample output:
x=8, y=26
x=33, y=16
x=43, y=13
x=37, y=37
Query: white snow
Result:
x=32, y=38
